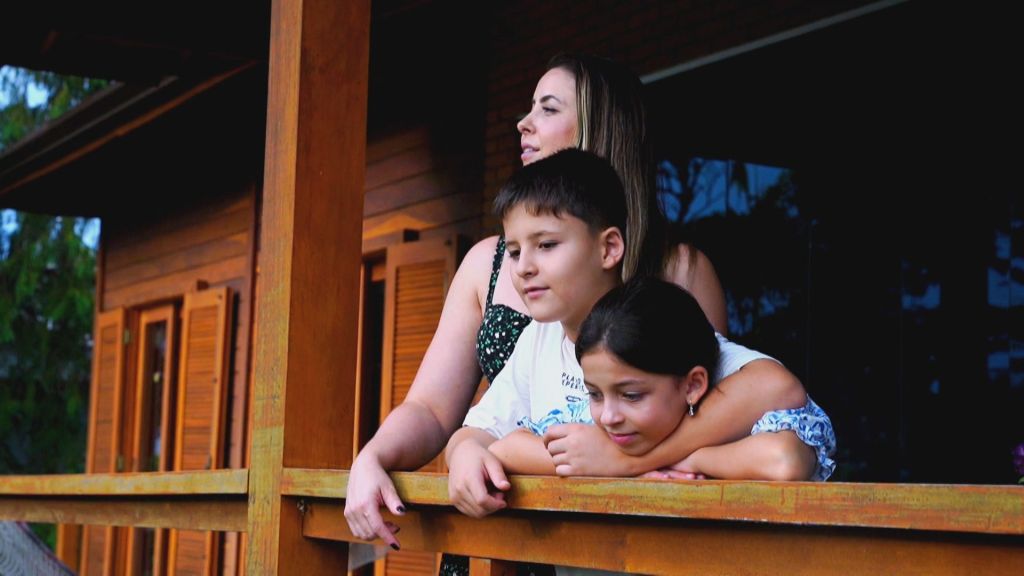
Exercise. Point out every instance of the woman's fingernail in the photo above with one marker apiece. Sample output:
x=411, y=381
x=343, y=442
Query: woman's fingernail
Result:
x=401, y=509
x=395, y=546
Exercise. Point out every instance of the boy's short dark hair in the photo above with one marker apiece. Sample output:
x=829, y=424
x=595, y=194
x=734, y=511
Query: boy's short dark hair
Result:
x=570, y=181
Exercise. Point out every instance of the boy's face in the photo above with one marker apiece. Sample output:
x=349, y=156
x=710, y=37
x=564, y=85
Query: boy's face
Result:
x=560, y=267
x=637, y=409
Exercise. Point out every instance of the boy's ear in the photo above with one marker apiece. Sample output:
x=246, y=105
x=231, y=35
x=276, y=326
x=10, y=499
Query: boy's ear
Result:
x=613, y=247
x=695, y=384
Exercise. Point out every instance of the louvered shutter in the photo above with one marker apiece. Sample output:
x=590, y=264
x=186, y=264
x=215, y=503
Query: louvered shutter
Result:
x=199, y=442
x=418, y=276
x=104, y=430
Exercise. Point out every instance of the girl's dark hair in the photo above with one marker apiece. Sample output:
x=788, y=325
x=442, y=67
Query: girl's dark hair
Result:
x=651, y=325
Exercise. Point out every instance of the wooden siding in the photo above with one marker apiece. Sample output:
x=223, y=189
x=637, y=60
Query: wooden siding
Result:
x=159, y=258
x=413, y=184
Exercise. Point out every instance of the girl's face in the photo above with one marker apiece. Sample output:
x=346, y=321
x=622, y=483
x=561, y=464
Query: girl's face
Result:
x=637, y=409
x=552, y=122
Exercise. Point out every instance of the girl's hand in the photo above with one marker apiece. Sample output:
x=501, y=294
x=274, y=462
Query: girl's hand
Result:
x=476, y=480
x=369, y=488
x=585, y=450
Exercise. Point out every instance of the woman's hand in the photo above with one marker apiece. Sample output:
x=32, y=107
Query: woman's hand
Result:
x=369, y=488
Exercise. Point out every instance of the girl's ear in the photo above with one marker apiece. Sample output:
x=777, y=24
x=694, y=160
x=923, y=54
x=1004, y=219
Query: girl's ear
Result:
x=613, y=247
x=695, y=385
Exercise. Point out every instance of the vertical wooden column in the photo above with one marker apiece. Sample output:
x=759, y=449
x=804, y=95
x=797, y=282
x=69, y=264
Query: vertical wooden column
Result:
x=308, y=271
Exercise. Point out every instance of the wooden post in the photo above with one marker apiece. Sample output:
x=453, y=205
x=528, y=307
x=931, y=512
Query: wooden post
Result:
x=308, y=271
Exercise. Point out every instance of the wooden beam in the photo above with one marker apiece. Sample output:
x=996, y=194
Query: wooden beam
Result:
x=309, y=262
x=221, y=513
x=930, y=507
x=665, y=546
x=100, y=131
x=211, y=482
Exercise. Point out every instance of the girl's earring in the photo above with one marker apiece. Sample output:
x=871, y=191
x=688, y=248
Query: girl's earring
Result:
x=691, y=409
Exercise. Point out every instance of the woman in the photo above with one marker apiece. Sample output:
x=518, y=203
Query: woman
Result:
x=596, y=105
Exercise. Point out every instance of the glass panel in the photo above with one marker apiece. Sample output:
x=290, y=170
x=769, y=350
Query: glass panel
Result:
x=154, y=378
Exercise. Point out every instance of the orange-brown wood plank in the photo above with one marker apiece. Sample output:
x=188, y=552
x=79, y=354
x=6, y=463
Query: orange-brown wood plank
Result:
x=193, y=256
x=129, y=244
x=196, y=513
x=212, y=482
x=665, y=546
x=309, y=261
x=178, y=283
x=933, y=507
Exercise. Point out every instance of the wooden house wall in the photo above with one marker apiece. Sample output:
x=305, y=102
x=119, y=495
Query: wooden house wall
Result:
x=154, y=258
x=412, y=185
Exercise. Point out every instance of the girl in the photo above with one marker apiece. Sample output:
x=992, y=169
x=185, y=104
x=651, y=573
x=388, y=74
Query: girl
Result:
x=649, y=358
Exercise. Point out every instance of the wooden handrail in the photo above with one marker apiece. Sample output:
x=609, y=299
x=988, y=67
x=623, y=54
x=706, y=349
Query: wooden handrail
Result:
x=930, y=507
x=201, y=500
x=208, y=482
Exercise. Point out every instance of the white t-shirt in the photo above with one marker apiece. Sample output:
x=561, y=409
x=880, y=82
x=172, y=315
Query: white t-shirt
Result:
x=542, y=376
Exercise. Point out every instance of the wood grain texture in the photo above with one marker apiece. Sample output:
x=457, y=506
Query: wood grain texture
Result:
x=212, y=482
x=652, y=545
x=925, y=507
x=310, y=256
x=196, y=513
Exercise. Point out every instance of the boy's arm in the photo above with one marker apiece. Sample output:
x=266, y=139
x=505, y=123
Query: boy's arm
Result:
x=778, y=456
x=726, y=414
x=476, y=480
x=523, y=452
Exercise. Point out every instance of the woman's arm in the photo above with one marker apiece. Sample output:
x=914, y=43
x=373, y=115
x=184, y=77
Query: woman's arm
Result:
x=692, y=270
x=523, y=452
x=416, y=430
x=727, y=413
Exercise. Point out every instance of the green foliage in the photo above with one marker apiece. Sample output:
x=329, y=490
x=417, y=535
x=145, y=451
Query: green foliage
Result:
x=47, y=276
x=18, y=118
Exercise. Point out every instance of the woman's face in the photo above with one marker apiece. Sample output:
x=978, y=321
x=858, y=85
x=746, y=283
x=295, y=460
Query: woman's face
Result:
x=552, y=122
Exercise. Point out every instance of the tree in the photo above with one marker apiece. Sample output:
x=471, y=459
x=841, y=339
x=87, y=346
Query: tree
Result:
x=47, y=279
x=20, y=87
x=47, y=275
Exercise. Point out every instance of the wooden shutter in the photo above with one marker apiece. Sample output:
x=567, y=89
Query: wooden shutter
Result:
x=202, y=386
x=104, y=429
x=418, y=276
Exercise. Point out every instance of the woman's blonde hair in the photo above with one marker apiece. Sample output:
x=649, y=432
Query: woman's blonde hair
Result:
x=612, y=123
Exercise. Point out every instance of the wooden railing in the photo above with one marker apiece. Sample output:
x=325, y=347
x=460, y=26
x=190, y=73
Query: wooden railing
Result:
x=644, y=526
x=209, y=500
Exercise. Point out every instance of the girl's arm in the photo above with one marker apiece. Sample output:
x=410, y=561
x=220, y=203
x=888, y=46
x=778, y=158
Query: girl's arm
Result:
x=778, y=456
x=523, y=452
x=727, y=413
x=416, y=430
x=692, y=270
x=476, y=480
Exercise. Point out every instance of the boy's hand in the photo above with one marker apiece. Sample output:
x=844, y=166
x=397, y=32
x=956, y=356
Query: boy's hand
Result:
x=476, y=480
x=585, y=450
